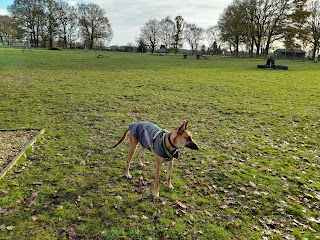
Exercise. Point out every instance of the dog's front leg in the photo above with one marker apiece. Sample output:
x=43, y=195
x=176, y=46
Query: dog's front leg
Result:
x=157, y=175
x=170, y=168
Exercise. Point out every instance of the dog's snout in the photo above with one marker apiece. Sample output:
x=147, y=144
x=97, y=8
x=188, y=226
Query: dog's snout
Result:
x=192, y=145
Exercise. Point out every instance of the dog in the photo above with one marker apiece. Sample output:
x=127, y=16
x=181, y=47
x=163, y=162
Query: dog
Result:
x=163, y=143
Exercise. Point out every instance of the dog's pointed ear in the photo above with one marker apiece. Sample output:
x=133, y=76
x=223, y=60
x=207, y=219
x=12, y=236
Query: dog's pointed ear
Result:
x=183, y=127
x=185, y=122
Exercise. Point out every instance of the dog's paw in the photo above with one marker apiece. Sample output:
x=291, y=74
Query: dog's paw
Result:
x=156, y=195
x=128, y=175
x=171, y=186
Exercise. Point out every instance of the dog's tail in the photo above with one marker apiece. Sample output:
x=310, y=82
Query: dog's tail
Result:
x=121, y=140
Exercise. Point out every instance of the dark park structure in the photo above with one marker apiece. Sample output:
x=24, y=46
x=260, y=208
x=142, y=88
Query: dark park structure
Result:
x=292, y=54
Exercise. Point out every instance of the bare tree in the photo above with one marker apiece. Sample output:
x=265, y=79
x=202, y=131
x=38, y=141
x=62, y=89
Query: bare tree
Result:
x=276, y=20
x=30, y=16
x=193, y=34
x=178, y=33
x=50, y=29
x=167, y=32
x=256, y=23
x=94, y=24
x=150, y=34
x=68, y=19
x=296, y=34
x=234, y=26
x=314, y=26
x=266, y=21
x=212, y=35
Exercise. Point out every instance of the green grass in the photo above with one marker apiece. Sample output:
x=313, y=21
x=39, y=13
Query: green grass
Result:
x=256, y=175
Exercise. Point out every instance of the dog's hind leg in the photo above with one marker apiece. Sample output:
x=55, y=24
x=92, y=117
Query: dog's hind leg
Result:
x=170, y=169
x=132, y=147
x=140, y=155
x=156, y=179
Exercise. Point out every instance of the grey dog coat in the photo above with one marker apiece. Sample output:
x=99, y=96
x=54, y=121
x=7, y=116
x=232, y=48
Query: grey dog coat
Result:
x=149, y=137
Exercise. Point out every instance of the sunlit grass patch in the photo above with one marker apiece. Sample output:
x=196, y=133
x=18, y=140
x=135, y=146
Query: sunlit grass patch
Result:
x=256, y=174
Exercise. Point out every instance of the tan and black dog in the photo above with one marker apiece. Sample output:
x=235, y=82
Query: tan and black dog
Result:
x=163, y=143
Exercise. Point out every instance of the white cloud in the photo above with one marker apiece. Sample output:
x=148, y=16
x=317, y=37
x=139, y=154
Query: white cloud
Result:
x=3, y=11
x=127, y=17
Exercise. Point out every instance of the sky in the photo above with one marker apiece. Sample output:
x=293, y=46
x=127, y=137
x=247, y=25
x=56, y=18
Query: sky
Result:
x=127, y=16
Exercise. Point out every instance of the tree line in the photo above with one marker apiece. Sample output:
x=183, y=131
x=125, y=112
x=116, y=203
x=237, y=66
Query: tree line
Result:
x=41, y=22
x=257, y=24
x=172, y=34
x=250, y=25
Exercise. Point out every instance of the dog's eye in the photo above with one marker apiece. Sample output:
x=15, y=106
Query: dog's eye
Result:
x=189, y=138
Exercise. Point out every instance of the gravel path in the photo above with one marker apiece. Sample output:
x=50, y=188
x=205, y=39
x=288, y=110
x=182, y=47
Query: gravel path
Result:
x=11, y=143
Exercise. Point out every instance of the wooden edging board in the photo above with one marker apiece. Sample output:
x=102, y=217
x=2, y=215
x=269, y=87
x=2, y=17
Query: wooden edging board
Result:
x=22, y=152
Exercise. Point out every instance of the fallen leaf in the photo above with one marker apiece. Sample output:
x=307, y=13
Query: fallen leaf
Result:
x=252, y=184
x=72, y=235
x=294, y=198
x=266, y=168
x=224, y=206
x=233, y=224
x=3, y=193
x=4, y=210
x=32, y=199
x=164, y=237
x=80, y=218
x=79, y=199
x=180, y=204
x=118, y=198
x=312, y=219
x=208, y=213
x=283, y=203
x=34, y=218
x=10, y=228
x=37, y=183
x=172, y=224
x=60, y=207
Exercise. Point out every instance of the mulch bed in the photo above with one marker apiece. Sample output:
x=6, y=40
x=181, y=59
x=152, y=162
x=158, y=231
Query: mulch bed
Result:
x=11, y=143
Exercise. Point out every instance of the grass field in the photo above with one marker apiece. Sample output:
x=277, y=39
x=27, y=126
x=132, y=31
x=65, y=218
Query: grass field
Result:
x=255, y=177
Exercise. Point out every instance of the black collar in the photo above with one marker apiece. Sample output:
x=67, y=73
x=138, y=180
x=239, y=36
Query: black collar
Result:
x=172, y=145
x=174, y=153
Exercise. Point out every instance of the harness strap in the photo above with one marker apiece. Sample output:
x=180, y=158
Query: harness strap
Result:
x=169, y=135
x=169, y=154
x=155, y=136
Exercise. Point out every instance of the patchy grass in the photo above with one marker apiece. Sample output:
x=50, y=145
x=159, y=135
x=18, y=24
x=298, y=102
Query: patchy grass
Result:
x=256, y=175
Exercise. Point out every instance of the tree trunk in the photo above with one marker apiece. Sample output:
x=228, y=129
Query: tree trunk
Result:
x=266, y=50
x=314, y=50
x=251, y=47
x=237, y=48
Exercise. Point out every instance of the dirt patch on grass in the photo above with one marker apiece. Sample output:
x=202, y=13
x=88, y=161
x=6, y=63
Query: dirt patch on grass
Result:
x=11, y=143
